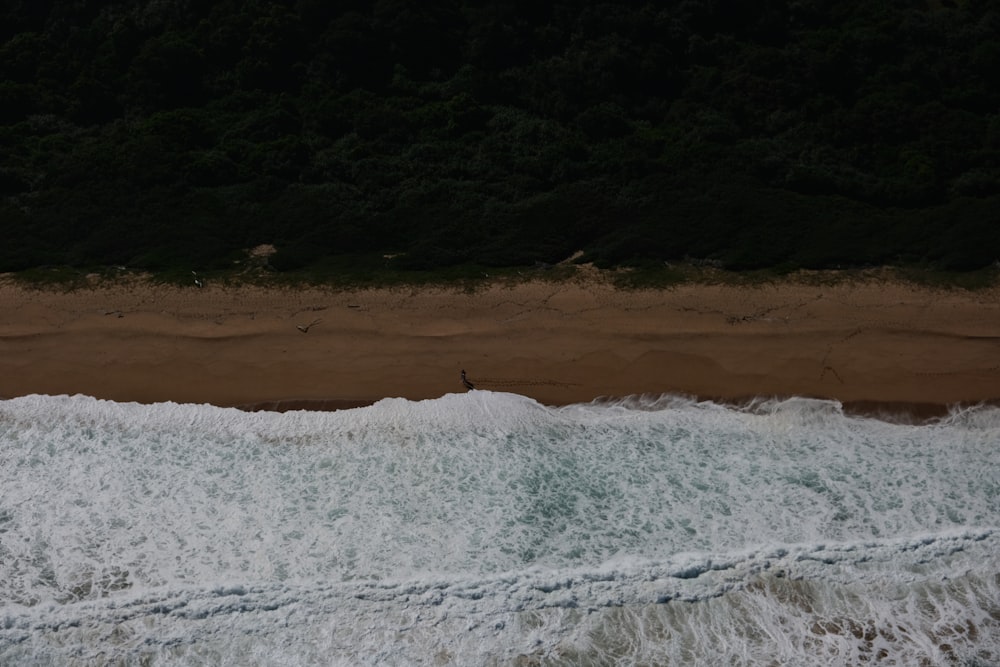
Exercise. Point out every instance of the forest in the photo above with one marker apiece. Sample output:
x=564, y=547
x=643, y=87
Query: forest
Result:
x=175, y=134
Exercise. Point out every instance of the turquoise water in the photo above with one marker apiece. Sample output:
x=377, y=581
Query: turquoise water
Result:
x=484, y=528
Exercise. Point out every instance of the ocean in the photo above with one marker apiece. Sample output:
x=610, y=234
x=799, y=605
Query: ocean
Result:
x=486, y=529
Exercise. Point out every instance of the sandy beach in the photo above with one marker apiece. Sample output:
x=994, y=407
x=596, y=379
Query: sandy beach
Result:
x=863, y=343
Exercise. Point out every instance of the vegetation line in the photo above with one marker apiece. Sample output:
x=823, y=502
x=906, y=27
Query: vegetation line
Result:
x=471, y=278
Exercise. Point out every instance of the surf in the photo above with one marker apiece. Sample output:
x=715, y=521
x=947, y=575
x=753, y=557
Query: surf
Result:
x=485, y=527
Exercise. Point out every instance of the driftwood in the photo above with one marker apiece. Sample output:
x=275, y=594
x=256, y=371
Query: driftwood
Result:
x=304, y=328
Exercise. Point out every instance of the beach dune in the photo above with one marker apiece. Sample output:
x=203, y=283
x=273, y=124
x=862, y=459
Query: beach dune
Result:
x=870, y=342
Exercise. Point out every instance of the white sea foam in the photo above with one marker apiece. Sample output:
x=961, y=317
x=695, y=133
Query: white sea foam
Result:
x=483, y=528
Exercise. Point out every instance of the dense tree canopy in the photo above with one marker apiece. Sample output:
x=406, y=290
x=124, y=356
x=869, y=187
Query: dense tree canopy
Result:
x=814, y=133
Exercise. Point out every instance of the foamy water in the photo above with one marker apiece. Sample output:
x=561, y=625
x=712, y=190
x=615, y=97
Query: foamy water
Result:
x=484, y=528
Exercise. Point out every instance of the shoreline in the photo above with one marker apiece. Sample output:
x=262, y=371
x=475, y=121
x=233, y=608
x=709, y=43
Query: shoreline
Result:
x=895, y=412
x=873, y=346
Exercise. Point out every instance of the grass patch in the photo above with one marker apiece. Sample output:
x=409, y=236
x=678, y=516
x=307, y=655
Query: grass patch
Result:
x=653, y=276
x=64, y=278
x=935, y=278
x=667, y=275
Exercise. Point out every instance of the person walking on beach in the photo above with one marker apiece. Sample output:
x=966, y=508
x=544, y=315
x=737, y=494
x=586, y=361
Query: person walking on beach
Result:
x=468, y=385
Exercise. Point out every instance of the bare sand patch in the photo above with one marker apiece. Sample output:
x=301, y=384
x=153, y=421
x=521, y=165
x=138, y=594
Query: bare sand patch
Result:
x=556, y=342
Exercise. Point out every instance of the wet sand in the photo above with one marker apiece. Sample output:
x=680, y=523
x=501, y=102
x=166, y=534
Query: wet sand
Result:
x=870, y=344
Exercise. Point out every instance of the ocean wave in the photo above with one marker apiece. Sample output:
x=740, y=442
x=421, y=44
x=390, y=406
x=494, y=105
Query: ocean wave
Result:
x=787, y=591
x=485, y=527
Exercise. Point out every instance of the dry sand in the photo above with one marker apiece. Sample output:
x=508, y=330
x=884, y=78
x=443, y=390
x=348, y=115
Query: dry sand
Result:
x=556, y=342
